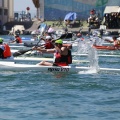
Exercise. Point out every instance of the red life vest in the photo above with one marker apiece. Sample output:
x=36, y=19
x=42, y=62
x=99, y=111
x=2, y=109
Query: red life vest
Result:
x=63, y=60
x=18, y=40
x=7, y=52
x=49, y=45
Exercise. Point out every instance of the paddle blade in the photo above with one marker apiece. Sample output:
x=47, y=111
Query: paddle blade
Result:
x=20, y=52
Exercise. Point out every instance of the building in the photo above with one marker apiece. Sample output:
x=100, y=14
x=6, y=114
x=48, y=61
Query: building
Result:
x=55, y=9
x=6, y=11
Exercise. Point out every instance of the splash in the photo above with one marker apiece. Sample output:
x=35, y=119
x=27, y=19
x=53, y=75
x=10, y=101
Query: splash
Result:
x=85, y=47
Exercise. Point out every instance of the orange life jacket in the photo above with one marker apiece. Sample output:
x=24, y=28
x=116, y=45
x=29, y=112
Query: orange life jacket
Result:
x=7, y=51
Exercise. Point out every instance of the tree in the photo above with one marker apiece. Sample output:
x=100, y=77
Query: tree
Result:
x=37, y=5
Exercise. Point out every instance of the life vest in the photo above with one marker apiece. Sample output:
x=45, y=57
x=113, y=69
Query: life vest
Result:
x=18, y=40
x=63, y=60
x=49, y=45
x=7, y=52
x=117, y=43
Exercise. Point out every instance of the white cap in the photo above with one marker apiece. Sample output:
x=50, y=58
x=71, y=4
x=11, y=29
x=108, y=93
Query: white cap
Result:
x=48, y=37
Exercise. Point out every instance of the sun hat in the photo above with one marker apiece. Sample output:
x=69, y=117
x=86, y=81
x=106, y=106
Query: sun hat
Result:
x=48, y=37
x=1, y=40
x=59, y=41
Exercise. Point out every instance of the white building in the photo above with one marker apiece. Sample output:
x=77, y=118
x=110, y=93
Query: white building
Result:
x=6, y=11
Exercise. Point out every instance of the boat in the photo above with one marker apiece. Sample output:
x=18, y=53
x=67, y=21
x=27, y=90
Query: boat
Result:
x=34, y=59
x=12, y=66
x=106, y=47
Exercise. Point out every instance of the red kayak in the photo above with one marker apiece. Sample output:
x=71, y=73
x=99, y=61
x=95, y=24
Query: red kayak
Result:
x=106, y=47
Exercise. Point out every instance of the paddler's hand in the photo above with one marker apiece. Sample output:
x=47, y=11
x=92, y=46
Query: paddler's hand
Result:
x=34, y=48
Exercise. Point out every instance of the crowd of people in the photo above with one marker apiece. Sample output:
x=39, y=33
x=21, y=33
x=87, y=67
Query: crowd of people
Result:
x=112, y=20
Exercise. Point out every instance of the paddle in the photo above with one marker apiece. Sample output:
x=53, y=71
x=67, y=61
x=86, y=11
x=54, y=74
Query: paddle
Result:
x=21, y=52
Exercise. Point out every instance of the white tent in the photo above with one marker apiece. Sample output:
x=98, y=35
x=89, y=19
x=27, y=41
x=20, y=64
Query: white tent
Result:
x=110, y=9
x=119, y=9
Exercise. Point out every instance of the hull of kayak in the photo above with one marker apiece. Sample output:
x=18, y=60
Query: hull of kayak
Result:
x=11, y=66
x=106, y=47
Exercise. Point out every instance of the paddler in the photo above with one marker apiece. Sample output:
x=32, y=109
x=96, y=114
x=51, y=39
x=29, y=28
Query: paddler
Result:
x=17, y=39
x=62, y=54
x=48, y=43
x=5, y=51
x=115, y=41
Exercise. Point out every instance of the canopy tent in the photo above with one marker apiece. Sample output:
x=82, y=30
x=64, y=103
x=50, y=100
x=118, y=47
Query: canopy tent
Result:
x=111, y=9
x=71, y=16
x=119, y=9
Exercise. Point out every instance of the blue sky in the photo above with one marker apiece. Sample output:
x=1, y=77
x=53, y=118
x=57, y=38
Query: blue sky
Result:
x=20, y=5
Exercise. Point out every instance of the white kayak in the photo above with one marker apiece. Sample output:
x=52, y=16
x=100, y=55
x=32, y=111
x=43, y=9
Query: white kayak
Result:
x=33, y=59
x=12, y=66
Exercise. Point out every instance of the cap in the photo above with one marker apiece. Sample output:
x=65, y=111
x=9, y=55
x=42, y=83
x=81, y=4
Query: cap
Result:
x=1, y=40
x=48, y=37
x=59, y=41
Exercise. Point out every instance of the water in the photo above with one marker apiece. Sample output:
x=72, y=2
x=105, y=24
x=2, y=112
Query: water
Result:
x=44, y=96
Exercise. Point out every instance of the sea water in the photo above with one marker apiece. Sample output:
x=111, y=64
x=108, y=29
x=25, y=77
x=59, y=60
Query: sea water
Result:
x=38, y=95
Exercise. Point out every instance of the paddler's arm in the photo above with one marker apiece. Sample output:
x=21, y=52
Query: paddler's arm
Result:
x=12, y=41
x=44, y=50
x=108, y=40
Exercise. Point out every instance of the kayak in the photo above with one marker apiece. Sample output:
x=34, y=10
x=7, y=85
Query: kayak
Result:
x=12, y=66
x=33, y=59
x=106, y=47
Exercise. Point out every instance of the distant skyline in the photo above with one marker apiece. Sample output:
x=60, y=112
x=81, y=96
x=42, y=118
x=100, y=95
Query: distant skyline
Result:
x=21, y=5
